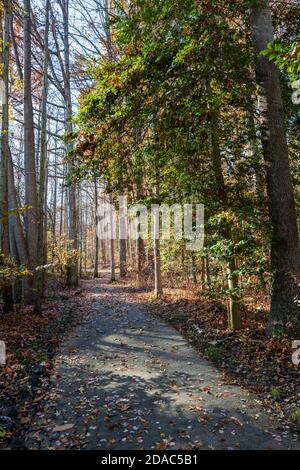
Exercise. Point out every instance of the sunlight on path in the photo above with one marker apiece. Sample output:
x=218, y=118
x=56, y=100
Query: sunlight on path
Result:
x=124, y=380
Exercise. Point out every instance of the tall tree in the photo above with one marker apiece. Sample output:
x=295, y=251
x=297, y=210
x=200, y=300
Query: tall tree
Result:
x=43, y=166
x=112, y=241
x=285, y=251
x=72, y=272
x=4, y=78
x=31, y=196
x=97, y=228
x=122, y=240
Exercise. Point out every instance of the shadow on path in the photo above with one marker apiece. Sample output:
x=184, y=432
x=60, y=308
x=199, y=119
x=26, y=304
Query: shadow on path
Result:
x=124, y=380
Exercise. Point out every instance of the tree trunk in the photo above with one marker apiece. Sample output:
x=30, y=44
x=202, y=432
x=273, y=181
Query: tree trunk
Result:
x=55, y=195
x=158, y=290
x=285, y=251
x=17, y=284
x=31, y=199
x=17, y=229
x=123, y=258
x=112, y=243
x=140, y=245
x=157, y=261
x=122, y=241
x=194, y=269
x=72, y=271
x=4, y=64
x=207, y=274
x=97, y=228
x=234, y=315
x=42, y=174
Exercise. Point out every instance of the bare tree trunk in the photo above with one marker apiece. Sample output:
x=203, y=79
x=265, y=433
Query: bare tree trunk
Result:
x=157, y=261
x=42, y=174
x=140, y=245
x=4, y=65
x=17, y=284
x=158, y=290
x=123, y=249
x=85, y=235
x=194, y=269
x=80, y=231
x=16, y=227
x=31, y=199
x=103, y=251
x=112, y=243
x=130, y=251
x=55, y=195
x=123, y=258
x=72, y=271
x=62, y=206
x=285, y=251
x=207, y=271
x=97, y=228
x=202, y=272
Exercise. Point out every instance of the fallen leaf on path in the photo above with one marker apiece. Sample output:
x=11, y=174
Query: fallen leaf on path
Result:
x=25, y=420
x=63, y=427
x=161, y=446
x=236, y=421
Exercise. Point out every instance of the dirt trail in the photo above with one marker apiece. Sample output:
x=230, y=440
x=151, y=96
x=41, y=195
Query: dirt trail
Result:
x=124, y=380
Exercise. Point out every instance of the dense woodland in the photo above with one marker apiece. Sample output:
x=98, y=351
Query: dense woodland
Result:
x=164, y=102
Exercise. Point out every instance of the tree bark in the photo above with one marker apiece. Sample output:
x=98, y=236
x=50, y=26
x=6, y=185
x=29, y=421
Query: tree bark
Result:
x=31, y=199
x=158, y=290
x=112, y=243
x=97, y=228
x=72, y=271
x=122, y=242
x=285, y=252
x=43, y=172
x=17, y=229
x=140, y=245
x=7, y=297
x=194, y=269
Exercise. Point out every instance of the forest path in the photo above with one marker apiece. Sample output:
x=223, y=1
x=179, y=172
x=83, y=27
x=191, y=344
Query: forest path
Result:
x=124, y=380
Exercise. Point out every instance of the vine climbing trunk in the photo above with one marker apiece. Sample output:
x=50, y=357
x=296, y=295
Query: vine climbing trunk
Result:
x=234, y=314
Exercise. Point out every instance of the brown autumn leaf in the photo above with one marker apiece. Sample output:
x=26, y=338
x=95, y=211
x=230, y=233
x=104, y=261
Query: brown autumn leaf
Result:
x=198, y=398
x=63, y=427
x=25, y=420
x=161, y=446
x=236, y=421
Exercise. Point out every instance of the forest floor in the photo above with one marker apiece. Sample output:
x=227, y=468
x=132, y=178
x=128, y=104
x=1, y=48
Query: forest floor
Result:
x=124, y=379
